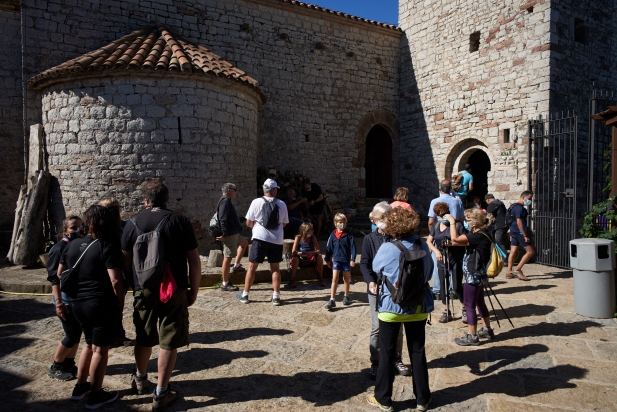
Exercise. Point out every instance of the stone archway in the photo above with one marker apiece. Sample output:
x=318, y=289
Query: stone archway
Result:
x=475, y=153
x=377, y=121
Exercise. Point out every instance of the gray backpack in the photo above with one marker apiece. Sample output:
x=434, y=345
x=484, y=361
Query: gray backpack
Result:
x=148, y=252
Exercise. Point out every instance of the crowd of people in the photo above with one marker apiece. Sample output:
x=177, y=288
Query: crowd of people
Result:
x=155, y=254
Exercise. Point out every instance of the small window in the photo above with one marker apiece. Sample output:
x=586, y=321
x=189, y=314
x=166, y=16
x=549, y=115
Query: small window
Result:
x=581, y=32
x=307, y=138
x=474, y=42
x=506, y=135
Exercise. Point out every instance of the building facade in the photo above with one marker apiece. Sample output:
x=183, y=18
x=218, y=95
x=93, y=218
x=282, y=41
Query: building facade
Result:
x=360, y=106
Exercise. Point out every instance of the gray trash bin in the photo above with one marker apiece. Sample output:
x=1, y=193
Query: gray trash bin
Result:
x=593, y=265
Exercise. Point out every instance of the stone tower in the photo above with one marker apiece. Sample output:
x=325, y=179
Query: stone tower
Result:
x=474, y=72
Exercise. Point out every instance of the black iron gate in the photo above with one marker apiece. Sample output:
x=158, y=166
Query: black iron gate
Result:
x=553, y=150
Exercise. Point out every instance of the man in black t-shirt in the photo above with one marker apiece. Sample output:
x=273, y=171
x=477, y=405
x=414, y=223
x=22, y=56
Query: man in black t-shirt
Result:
x=498, y=210
x=180, y=248
x=316, y=201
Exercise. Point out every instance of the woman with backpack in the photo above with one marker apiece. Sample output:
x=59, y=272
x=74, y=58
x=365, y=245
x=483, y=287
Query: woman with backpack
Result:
x=96, y=289
x=401, y=224
x=478, y=246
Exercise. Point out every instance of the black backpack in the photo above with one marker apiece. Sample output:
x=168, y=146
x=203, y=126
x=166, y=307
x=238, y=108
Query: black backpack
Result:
x=509, y=218
x=412, y=287
x=148, y=252
x=270, y=214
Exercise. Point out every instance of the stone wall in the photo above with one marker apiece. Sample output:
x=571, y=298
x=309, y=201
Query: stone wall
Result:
x=11, y=125
x=455, y=100
x=322, y=74
x=108, y=136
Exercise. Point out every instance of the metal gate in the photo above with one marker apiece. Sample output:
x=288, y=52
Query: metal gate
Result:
x=599, y=158
x=552, y=145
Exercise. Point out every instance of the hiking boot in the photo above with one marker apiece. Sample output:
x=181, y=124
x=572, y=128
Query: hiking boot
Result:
x=243, y=299
x=331, y=304
x=382, y=408
x=238, y=269
x=467, y=340
x=60, y=373
x=70, y=367
x=446, y=316
x=276, y=301
x=80, y=390
x=401, y=368
x=160, y=403
x=229, y=287
x=100, y=398
x=346, y=300
x=486, y=333
x=140, y=385
x=373, y=373
x=424, y=408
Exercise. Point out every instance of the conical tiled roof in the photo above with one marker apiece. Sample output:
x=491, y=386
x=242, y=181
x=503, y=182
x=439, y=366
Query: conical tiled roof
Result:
x=154, y=48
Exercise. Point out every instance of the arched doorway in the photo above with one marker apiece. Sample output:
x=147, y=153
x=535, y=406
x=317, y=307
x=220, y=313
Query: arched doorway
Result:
x=480, y=166
x=378, y=163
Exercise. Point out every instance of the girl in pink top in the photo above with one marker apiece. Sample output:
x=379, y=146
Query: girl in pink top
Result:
x=400, y=198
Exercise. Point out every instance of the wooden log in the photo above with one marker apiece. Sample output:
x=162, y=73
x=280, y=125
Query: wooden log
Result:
x=18, y=213
x=29, y=244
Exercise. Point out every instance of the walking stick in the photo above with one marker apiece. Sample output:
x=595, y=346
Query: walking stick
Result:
x=493, y=307
x=446, y=261
x=500, y=305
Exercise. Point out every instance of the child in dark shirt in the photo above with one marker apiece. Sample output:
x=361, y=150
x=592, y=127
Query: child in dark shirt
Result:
x=340, y=256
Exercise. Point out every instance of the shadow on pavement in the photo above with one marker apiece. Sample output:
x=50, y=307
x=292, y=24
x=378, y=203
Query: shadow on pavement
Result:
x=219, y=336
x=521, y=311
x=519, y=382
x=548, y=329
x=518, y=289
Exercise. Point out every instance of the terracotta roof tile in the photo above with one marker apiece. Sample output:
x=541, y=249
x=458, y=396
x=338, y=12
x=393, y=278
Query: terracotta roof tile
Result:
x=341, y=14
x=154, y=48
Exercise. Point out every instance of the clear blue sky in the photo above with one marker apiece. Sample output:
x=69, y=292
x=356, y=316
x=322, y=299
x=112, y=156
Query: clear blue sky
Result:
x=384, y=11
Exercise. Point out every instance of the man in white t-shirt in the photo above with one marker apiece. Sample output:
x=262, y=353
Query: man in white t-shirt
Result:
x=267, y=238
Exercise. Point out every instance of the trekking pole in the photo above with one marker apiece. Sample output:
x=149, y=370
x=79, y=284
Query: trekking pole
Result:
x=493, y=307
x=446, y=264
x=500, y=305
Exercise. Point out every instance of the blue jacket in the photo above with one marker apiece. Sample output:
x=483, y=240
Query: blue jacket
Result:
x=386, y=263
x=341, y=250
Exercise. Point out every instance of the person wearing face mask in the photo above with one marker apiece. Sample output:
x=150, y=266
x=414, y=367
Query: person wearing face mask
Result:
x=440, y=232
x=519, y=236
x=477, y=244
x=341, y=257
x=370, y=245
x=64, y=368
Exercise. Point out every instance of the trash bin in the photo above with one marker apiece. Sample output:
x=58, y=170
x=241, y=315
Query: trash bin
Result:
x=593, y=266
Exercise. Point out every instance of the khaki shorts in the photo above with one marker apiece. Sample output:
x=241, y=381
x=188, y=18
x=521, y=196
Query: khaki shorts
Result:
x=230, y=245
x=172, y=318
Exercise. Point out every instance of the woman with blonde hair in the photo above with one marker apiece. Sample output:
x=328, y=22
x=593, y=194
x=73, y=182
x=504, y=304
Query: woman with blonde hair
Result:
x=400, y=199
x=477, y=255
x=401, y=224
x=305, y=254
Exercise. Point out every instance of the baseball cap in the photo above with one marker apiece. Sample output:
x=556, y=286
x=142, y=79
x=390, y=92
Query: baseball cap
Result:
x=271, y=184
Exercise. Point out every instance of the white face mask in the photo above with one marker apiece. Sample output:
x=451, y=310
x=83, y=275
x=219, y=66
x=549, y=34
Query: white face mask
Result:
x=340, y=226
x=380, y=225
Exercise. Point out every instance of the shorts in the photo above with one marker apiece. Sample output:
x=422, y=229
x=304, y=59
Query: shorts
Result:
x=317, y=208
x=307, y=262
x=230, y=245
x=261, y=249
x=518, y=240
x=172, y=319
x=94, y=317
x=342, y=266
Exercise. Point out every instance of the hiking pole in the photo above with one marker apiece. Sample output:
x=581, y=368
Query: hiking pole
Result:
x=446, y=264
x=493, y=307
x=504, y=311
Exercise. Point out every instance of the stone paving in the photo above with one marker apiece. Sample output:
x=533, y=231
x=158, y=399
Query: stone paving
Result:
x=299, y=356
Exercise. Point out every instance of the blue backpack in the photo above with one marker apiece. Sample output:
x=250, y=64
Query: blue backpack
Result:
x=270, y=214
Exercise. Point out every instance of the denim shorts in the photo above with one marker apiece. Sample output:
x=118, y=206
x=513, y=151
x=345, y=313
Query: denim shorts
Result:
x=342, y=266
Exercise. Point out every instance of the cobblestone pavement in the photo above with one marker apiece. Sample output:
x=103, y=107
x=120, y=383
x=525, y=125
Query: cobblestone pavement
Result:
x=299, y=356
